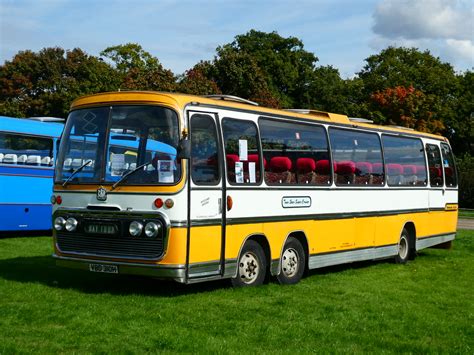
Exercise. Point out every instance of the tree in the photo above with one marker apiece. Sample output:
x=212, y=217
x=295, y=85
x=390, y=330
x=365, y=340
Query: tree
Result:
x=238, y=74
x=407, y=107
x=196, y=81
x=463, y=123
x=281, y=63
x=408, y=67
x=326, y=91
x=138, y=69
x=45, y=83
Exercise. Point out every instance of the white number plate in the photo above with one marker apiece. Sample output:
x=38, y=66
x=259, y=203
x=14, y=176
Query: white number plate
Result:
x=108, y=269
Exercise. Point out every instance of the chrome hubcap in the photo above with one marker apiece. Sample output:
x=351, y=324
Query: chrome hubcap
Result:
x=289, y=262
x=403, y=247
x=249, y=269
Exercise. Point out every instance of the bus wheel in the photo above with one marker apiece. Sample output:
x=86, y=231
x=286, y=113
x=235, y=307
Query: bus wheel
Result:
x=252, y=266
x=403, y=248
x=292, y=262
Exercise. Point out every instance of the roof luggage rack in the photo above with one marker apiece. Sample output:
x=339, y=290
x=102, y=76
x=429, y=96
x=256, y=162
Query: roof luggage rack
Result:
x=231, y=98
x=360, y=120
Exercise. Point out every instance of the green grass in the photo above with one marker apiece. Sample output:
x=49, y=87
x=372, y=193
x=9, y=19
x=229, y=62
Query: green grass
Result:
x=466, y=213
x=380, y=307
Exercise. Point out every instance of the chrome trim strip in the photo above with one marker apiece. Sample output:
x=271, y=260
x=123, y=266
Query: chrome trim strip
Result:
x=230, y=268
x=204, y=269
x=275, y=267
x=427, y=242
x=318, y=261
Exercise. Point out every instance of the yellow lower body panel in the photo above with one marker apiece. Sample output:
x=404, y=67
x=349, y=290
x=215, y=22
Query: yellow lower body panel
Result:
x=323, y=236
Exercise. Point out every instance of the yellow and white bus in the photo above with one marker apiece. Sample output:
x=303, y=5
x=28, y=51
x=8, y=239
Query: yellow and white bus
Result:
x=218, y=187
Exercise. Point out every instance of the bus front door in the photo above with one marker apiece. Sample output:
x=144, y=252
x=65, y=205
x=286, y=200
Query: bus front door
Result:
x=206, y=230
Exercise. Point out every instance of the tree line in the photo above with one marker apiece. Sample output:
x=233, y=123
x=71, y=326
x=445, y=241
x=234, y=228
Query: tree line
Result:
x=398, y=86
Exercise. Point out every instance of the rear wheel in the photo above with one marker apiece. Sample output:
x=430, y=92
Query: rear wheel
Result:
x=252, y=266
x=292, y=262
x=404, y=248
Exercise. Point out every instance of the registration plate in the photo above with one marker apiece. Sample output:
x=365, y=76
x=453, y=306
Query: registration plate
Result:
x=101, y=228
x=108, y=269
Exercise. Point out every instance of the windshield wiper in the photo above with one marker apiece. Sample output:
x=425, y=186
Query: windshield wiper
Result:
x=76, y=171
x=130, y=173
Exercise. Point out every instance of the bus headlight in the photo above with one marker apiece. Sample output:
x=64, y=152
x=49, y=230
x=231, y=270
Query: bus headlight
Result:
x=71, y=224
x=135, y=229
x=59, y=223
x=152, y=229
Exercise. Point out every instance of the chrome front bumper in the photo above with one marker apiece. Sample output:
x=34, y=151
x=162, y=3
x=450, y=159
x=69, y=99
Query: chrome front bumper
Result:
x=174, y=272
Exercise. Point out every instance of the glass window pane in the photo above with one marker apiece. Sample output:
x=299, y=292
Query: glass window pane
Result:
x=295, y=153
x=357, y=157
x=139, y=141
x=242, y=152
x=434, y=165
x=25, y=150
x=204, y=153
x=405, y=161
x=448, y=165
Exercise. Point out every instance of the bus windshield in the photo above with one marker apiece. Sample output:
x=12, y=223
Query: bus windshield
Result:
x=117, y=140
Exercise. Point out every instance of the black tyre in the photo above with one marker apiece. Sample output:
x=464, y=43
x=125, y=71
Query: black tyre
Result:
x=404, y=248
x=252, y=266
x=292, y=262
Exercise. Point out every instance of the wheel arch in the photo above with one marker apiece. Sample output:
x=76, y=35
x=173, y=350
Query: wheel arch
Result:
x=411, y=229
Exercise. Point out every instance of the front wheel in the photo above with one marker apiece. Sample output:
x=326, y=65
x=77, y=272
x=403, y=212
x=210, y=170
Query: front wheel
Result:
x=252, y=266
x=292, y=262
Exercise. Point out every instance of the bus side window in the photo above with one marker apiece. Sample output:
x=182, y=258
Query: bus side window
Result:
x=21, y=149
x=242, y=151
x=449, y=167
x=357, y=157
x=296, y=153
x=434, y=165
x=405, y=161
x=204, y=156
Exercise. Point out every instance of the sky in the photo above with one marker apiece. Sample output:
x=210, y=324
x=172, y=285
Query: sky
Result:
x=341, y=33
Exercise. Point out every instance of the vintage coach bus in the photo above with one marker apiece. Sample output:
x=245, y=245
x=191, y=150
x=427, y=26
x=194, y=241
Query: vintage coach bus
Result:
x=218, y=187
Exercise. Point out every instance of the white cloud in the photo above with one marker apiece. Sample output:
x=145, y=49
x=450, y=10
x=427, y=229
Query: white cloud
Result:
x=462, y=49
x=445, y=27
x=424, y=19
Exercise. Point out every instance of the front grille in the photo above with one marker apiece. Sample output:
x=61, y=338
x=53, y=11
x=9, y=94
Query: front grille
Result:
x=113, y=246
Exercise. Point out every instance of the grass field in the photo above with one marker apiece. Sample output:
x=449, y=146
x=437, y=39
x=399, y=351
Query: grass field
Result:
x=463, y=213
x=424, y=306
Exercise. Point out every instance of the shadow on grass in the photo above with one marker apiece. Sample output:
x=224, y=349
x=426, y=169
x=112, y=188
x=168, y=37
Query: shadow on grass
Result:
x=43, y=270
x=24, y=234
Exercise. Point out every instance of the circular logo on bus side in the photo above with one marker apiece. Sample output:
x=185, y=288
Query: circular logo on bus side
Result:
x=101, y=194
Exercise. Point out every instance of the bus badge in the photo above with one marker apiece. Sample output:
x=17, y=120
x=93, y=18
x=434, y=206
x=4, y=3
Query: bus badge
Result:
x=101, y=194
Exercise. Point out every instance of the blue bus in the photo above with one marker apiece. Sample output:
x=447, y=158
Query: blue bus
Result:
x=27, y=154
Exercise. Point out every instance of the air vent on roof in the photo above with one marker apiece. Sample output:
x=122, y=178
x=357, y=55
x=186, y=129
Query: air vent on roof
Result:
x=231, y=98
x=401, y=127
x=360, y=120
x=46, y=119
x=305, y=111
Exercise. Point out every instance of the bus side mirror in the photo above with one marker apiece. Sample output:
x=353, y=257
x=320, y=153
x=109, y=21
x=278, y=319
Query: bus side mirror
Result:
x=184, y=149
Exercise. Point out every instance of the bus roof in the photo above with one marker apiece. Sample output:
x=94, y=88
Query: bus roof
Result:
x=179, y=101
x=28, y=126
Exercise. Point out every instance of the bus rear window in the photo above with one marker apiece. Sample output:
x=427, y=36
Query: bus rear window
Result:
x=449, y=167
